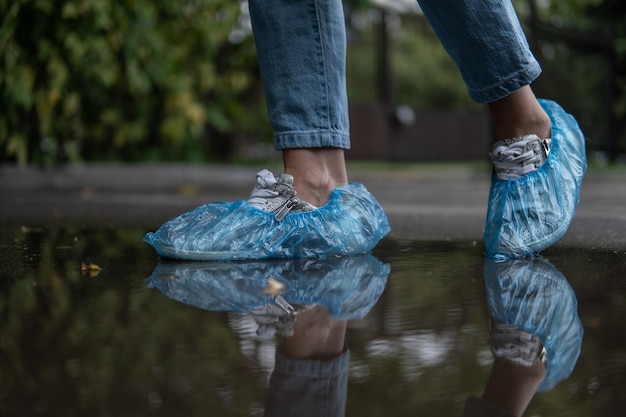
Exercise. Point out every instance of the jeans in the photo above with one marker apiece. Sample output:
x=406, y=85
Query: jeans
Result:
x=301, y=47
x=319, y=388
x=308, y=387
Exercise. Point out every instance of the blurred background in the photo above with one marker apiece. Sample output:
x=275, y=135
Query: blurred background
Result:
x=146, y=81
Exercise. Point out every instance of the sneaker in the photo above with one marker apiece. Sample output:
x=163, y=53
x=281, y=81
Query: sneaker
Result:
x=513, y=158
x=513, y=345
x=277, y=195
x=347, y=286
x=533, y=311
x=535, y=188
x=274, y=223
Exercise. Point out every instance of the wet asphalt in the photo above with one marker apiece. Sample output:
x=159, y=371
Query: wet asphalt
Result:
x=438, y=202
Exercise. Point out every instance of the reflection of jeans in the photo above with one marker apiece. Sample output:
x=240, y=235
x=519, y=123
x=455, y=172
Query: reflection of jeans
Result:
x=301, y=46
x=308, y=387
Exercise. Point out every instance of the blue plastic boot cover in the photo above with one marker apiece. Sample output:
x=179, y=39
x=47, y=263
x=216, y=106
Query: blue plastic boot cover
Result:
x=348, y=286
x=533, y=296
x=351, y=222
x=529, y=214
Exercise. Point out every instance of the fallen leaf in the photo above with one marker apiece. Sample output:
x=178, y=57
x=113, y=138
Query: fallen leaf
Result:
x=91, y=269
x=273, y=287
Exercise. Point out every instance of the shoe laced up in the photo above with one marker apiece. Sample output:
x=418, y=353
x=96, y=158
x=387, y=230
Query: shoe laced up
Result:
x=277, y=195
x=513, y=345
x=515, y=157
x=278, y=317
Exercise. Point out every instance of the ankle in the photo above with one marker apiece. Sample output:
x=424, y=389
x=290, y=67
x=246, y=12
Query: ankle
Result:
x=316, y=335
x=512, y=387
x=316, y=172
x=519, y=114
x=521, y=127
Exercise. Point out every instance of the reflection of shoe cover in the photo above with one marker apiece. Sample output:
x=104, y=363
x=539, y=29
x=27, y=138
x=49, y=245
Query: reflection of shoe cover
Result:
x=528, y=214
x=533, y=296
x=348, y=286
x=351, y=222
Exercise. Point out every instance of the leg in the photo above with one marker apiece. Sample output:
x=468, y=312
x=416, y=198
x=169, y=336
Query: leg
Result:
x=519, y=114
x=301, y=47
x=316, y=172
x=531, y=203
x=535, y=345
x=487, y=42
x=512, y=387
x=316, y=335
x=311, y=372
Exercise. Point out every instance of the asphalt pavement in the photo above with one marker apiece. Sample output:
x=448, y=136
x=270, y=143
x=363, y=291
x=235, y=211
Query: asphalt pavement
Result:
x=423, y=202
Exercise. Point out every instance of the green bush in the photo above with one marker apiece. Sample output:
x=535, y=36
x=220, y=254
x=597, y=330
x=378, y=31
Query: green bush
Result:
x=129, y=80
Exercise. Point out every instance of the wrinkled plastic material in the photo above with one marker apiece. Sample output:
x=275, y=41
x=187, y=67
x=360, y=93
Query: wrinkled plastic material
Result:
x=348, y=286
x=351, y=222
x=527, y=215
x=533, y=296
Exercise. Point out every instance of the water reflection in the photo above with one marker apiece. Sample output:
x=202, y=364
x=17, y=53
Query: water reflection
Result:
x=307, y=301
x=347, y=286
x=535, y=332
x=532, y=295
x=535, y=336
x=76, y=344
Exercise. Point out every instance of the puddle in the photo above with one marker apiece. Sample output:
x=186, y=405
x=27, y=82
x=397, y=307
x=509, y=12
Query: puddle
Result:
x=94, y=324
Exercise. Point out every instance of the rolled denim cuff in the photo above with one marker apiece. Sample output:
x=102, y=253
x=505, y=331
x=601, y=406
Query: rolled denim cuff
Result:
x=313, y=139
x=507, y=85
x=488, y=44
x=308, y=387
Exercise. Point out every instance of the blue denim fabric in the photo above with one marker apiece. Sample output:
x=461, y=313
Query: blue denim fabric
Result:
x=301, y=47
x=485, y=39
x=308, y=387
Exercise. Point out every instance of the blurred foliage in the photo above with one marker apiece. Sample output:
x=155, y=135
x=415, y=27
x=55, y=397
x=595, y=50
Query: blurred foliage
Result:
x=581, y=45
x=141, y=80
x=73, y=344
x=131, y=80
x=423, y=74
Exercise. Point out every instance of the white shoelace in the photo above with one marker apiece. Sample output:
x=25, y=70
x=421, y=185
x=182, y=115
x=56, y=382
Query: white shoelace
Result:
x=276, y=195
x=277, y=318
x=515, y=157
x=261, y=192
x=516, y=346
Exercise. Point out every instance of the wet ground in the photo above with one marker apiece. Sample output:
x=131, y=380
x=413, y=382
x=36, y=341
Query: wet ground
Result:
x=95, y=324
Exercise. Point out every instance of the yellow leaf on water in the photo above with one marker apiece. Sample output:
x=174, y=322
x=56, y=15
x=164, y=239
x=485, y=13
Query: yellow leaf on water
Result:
x=91, y=269
x=273, y=287
x=94, y=273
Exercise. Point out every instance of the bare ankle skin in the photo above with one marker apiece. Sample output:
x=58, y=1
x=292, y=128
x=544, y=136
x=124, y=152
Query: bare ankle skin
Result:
x=316, y=335
x=519, y=114
x=316, y=172
x=511, y=387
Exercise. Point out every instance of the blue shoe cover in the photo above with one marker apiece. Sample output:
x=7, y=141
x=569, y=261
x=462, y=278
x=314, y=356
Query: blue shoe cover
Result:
x=529, y=214
x=351, y=222
x=348, y=286
x=533, y=296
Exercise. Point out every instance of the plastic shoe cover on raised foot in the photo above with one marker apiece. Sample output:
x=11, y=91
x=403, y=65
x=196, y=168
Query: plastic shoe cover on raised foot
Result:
x=351, y=222
x=533, y=296
x=529, y=214
x=348, y=286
